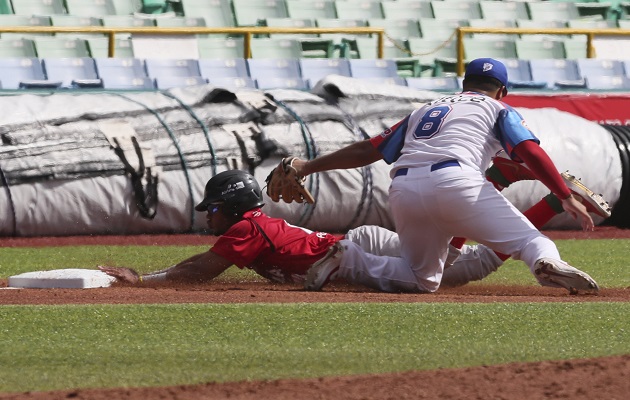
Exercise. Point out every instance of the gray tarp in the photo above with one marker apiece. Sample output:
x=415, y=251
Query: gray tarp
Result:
x=63, y=173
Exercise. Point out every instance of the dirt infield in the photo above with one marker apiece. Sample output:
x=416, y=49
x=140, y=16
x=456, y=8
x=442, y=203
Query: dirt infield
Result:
x=577, y=379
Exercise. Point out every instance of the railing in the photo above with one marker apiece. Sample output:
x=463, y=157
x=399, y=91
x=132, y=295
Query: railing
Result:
x=246, y=32
x=590, y=34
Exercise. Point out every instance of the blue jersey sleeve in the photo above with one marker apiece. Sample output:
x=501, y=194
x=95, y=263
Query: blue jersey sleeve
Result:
x=511, y=130
x=391, y=141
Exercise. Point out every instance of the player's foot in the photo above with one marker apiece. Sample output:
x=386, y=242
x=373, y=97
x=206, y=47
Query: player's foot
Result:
x=594, y=203
x=504, y=172
x=324, y=270
x=556, y=273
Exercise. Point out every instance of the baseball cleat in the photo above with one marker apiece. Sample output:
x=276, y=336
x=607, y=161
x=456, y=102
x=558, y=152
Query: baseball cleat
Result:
x=594, y=203
x=556, y=273
x=504, y=172
x=324, y=270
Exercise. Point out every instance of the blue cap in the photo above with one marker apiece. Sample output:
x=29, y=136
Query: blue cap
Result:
x=488, y=67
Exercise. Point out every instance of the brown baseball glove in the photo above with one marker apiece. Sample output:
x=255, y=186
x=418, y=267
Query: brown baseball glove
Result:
x=284, y=183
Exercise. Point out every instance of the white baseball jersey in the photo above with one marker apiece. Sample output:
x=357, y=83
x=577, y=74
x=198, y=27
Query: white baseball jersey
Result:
x=444, y=130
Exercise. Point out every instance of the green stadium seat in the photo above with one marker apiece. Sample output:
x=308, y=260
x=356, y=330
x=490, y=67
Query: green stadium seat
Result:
x=311, y=9
x=440, y=28
x=23, y=20
x=592, y=24
x=38, y=7
x=575, y=47
x=99, y=47
x=397, y=29
x=90, y=8
x=217, y=13
x=491, y=23
x=249, y=12
x=290, y=23
x=359, y=9
x=539, y=49
x=127, y=7
x=220, y=47
x=75, y=20
x=503, y=10
x=57, y=47
x=180, y=22
x=276, y=48
x=17, y=48
x=436, y=56
x=456, y=9
x=6, y=7
x=412, y=9
x=530, y=24
x=126, y=21
x=495, y=48
x=340, y=40
x=553, y=11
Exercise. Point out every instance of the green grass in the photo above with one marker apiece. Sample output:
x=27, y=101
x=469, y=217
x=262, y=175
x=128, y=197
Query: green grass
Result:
x=60, y=347
x=56, y=347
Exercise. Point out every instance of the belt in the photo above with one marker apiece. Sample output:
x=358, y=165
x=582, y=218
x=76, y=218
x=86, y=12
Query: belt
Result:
x=434, y=167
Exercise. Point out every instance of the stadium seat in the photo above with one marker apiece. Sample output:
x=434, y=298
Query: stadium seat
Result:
x=122, y=73
x=338, y=38
x=264, y=83
x=289, y=23
x=217, y=13
x=99, y=47
x=575, y=47
x=55, y=47
x=449, y=83
x=75, y=20
x=162, y=69
x=395, y=80
x=249, y=12
x=373, y=68
x=495, y=48
x=218, y=47
x=557, y=73
x=409, y=9
x=38, y=7
x=313, y=70
x=608, y=83
x=443, y=29
x=273, y=68
x=552, y=11
x=126, y=21
x=456, y=9
x=595, y=67
x=503, y=10
x=520, y=75
x=223, y=68
x=169, y=82
x=492, y=23
x=539, y=49
x=77, y=72
x=17, y=48
x=435, y=56
x=591, y=24
x=359, y=9
x=311, y=9
x=233, y=82
x=24, y=73
x=126, y=7
x=526, y=23
x=275, y=48
x=398, y=29
x=90, y=8
x=6, y=7
x=23, y=20
x=174, y=22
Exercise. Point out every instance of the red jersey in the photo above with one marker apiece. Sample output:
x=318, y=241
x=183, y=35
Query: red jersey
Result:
x=273, y=248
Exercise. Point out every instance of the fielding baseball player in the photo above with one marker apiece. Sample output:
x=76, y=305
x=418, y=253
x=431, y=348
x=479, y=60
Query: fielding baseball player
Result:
x=282, y=252
x=439, y=154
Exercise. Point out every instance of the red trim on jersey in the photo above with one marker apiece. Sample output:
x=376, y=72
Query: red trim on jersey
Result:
x=540, y=164
x=296, y=249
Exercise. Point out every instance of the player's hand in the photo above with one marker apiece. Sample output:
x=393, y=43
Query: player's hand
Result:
x=577, y=210
x=125, y=275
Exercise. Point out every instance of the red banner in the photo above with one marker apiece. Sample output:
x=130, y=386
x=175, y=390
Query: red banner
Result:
x=604, y=108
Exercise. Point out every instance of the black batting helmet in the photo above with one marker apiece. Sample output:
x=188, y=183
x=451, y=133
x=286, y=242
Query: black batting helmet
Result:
x=236, y=190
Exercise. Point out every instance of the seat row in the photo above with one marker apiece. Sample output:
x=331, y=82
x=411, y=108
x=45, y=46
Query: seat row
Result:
x=149, y=74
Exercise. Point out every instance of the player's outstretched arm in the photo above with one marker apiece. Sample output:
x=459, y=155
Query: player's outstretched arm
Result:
x=197, y=269
x=356, y=155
